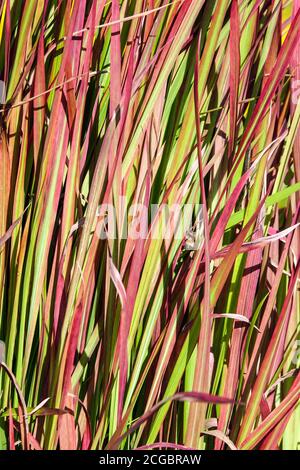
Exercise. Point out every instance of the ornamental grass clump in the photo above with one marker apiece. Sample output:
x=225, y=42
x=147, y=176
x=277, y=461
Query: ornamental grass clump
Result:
x=149, y=229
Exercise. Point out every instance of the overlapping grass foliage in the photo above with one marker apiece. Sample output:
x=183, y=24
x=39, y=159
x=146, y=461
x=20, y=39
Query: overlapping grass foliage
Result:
x=133, y=343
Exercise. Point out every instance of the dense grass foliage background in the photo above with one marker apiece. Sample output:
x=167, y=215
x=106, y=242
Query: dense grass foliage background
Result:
x=139, y=342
